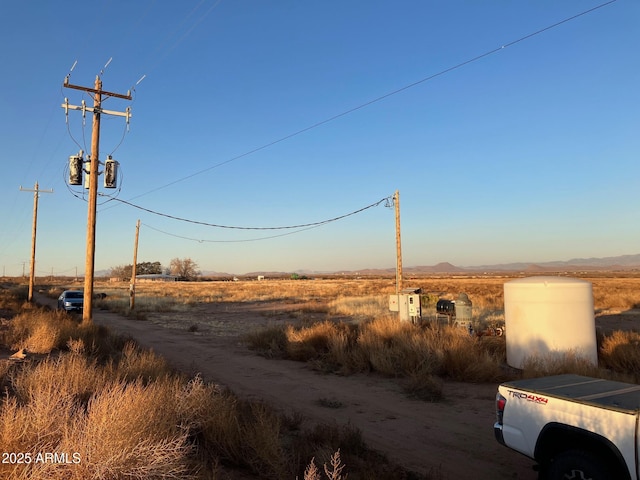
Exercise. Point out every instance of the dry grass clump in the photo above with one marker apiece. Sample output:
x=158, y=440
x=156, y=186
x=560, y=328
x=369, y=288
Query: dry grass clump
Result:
x=368, y=306
x=327, y=443
x=133, y=363
x=119, y=301
x=41, y=330
x=334, y=472
x=5, y=368
x=558, y=363
x=395, y=348
x=400, y=348
x=418, y=354
x=234, y=431
x=618, y=359
x=168, y=428
x=316, y=341
x=133, y=429
x=130, y=430
x=270, y=342
x=12, y=297
x=423, y=355
x=80, y=376
x=107, y=428
x=620, y=293
x=620, y=352
x=71, y=375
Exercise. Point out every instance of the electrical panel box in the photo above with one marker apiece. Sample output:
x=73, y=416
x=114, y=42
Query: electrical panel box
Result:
x=393, y=303
x=413, y=305
x=407, y=305
x=410, y=307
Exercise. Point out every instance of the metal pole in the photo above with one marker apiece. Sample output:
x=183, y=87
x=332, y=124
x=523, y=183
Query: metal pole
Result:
x=91, y=216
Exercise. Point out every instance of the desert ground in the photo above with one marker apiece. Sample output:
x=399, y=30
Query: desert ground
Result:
x=448, y=439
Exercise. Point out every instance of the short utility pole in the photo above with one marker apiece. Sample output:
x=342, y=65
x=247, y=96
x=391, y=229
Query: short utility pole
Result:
x=32, y=276
x=132, y=284
x=396, y=203
x=93, y=173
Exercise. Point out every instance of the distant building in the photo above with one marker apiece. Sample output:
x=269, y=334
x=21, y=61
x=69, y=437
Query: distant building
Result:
x=157, y=277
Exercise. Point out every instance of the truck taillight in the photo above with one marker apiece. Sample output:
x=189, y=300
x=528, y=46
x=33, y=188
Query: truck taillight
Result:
x=500, y=404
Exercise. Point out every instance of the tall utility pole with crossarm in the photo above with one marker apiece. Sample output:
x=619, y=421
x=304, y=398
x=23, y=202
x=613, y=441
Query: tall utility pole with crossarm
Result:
x=93, y=173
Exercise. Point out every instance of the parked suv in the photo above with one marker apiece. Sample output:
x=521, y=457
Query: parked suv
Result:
x=71, y=300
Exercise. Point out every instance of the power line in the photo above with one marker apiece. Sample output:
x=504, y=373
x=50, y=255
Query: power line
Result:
x=166, y=45
x=303, y=225
x=380, y=98
x=246, y=240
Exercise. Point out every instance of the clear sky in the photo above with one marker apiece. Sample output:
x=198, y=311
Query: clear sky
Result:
x=276, y=113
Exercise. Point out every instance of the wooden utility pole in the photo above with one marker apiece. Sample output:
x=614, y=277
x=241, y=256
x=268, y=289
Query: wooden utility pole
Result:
x=132, y=284
x=32, y=276
x=94, y=163
x=93, y=173
x=396, y=202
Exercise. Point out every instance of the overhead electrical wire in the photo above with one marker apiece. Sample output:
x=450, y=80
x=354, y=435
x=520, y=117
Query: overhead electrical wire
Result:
x=124, y=134
x=195, y=24
x=69, y=129
x=299, y=226
x=201, y=240
x=164, y=51
x=380, y=98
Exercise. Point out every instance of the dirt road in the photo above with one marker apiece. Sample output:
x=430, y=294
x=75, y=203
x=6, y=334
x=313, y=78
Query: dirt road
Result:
x=454, y=436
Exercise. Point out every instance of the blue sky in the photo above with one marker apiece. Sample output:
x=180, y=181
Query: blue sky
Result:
x=528, y=153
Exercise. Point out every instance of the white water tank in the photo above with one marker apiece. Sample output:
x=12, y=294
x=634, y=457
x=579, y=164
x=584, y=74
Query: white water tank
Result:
x=549, y=315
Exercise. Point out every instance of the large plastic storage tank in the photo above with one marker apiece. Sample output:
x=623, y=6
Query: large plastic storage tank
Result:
x=545, y=316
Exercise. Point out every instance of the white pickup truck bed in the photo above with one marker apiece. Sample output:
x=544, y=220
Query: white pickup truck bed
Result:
x=571, y=423
x=593, y=391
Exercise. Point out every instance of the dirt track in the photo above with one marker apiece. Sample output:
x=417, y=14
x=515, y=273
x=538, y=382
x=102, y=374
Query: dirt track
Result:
x=454, y=436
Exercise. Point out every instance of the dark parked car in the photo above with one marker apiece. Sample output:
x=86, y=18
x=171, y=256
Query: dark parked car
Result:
x=71, y=300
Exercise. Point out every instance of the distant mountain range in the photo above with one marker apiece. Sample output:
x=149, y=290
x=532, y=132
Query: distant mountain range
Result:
x=619, y=263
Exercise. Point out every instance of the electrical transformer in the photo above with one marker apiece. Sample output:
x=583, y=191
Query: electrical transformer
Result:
x=75, y=170
x=110, y=173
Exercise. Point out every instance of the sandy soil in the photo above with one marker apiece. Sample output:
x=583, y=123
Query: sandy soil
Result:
x=454, y=437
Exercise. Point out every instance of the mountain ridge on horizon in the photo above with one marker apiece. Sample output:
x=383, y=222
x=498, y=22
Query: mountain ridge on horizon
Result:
x=621, y=262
